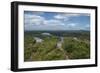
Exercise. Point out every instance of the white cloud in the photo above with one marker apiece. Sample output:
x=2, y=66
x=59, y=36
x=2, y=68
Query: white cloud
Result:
x=33, y=19
x=77, y=26
x=66, y=16
x=29, y=16
x=59, y=16
x=87, y=25
x=53, y=22
x=72, y=24
x=37, y=12
x=72, y=14
x=75, y=14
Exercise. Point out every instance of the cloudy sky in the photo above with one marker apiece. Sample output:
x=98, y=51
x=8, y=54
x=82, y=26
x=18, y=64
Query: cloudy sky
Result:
x=56, y=21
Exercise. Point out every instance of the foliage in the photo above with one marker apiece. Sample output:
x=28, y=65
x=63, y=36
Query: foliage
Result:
x=78, y=48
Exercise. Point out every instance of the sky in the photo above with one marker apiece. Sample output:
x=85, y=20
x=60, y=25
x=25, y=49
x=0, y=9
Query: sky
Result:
x=34, y=20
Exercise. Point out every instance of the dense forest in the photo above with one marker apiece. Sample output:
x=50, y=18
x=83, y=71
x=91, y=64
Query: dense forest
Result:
x=56, y=45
